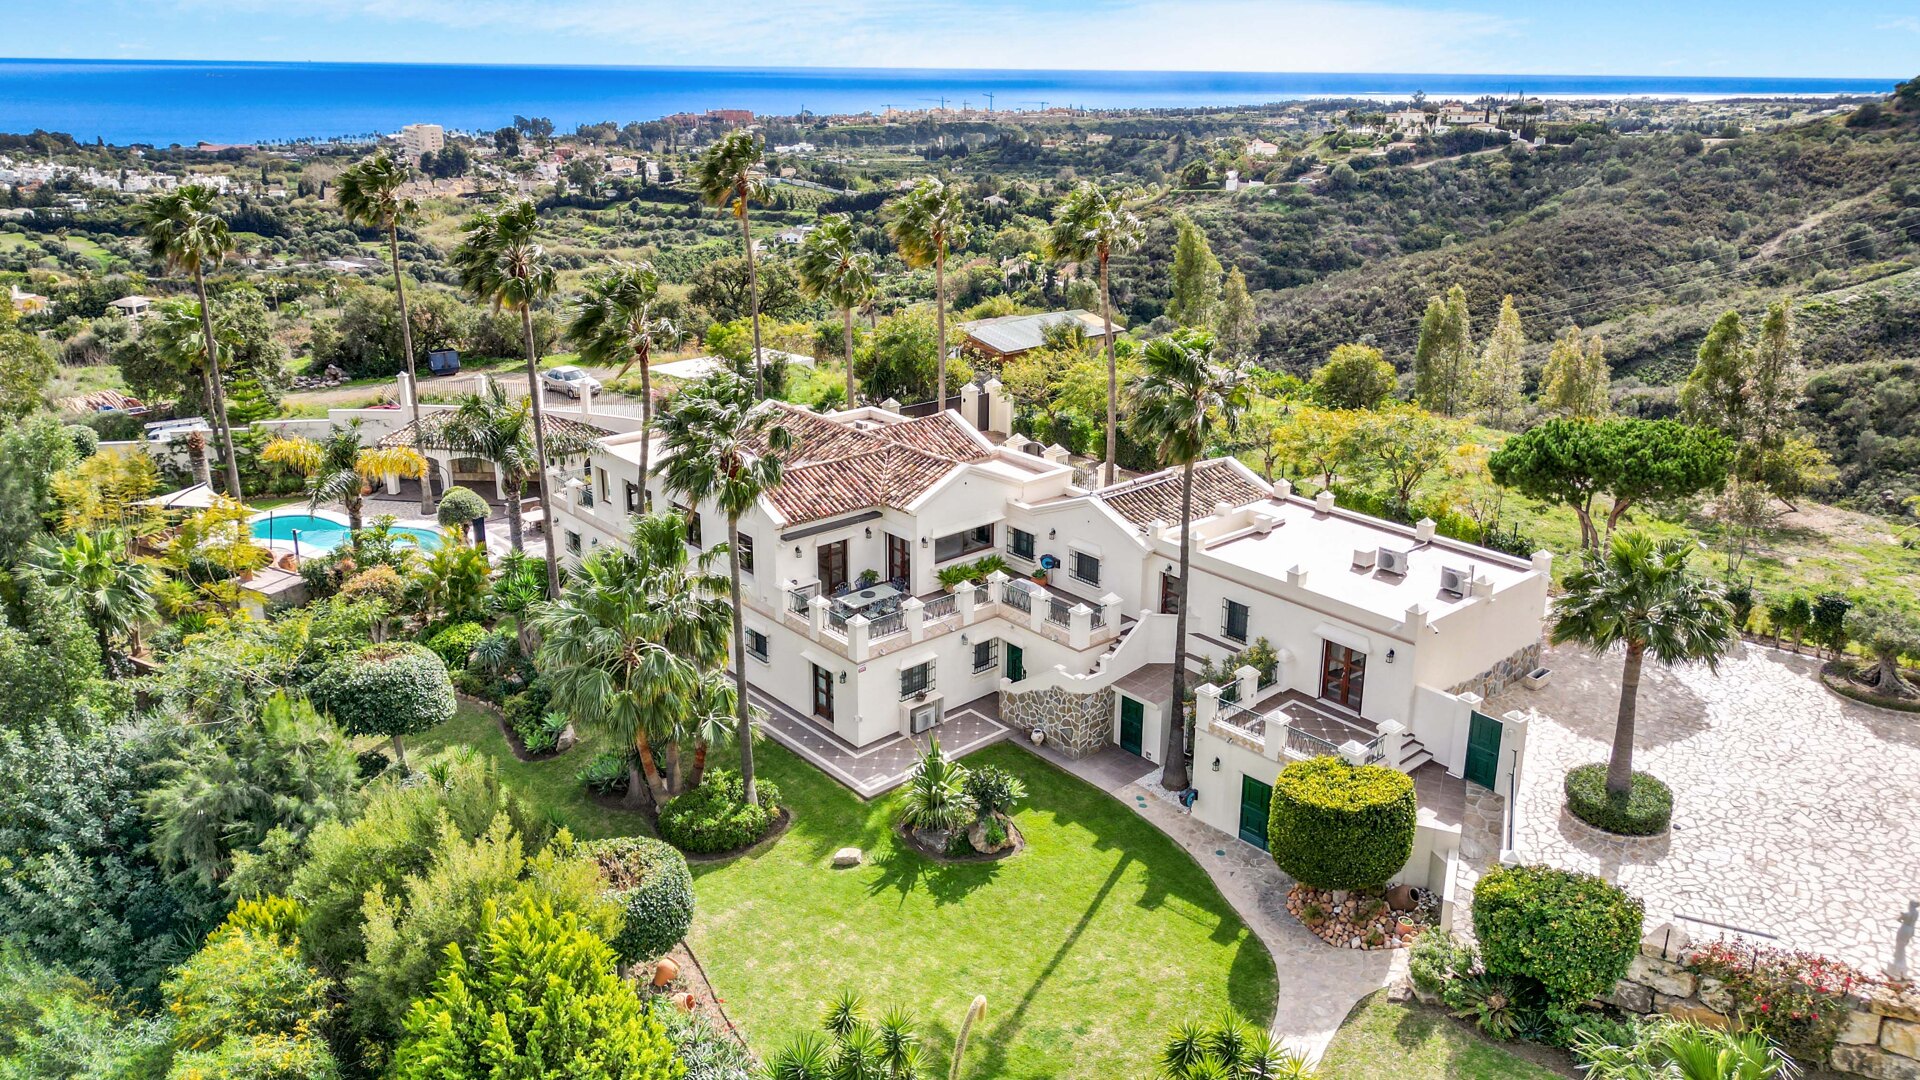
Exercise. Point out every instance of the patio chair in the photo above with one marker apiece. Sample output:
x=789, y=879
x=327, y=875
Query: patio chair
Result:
x=841, y=589
x=899, y=584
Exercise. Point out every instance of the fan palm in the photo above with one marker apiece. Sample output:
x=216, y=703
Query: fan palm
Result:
x=833, y=268
x=501, y=430
x=730, y=175
x=1641, y=594
x=369, y=194
x=1183, y=396
x=340, y=467
x=502, y=262
x=185, y=232
x=93, y=572
x=926, y=224
x=1093, y=224
x=724, y=446
x=175, y=333
x=616, y=321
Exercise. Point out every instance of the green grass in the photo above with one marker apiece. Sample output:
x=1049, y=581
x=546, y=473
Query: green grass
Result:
x=1384, y=1041
x=1089, y=946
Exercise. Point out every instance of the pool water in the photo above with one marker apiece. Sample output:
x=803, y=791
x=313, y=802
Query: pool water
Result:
x=318, y=534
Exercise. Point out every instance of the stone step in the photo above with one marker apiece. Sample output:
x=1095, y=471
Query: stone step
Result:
x=1414, y=760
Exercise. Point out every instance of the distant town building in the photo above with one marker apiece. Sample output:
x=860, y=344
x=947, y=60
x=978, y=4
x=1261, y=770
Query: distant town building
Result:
x=1261, y=148
x=418, y=139
x=796, y=148
x=1010, y=335
x=133, y=307
x=731, y=116
x=27, y=303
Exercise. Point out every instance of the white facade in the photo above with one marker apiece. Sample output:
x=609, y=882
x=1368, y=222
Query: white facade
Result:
x=418, y=139
x=1386, y=648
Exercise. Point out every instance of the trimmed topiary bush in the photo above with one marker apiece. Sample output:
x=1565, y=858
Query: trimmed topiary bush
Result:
x=1332, y=825
x=1645, y=811
x=651, y=883
x=458, y=508
x=1572, y=933
x=394, y=689
x=454, y=643
x=714, y=817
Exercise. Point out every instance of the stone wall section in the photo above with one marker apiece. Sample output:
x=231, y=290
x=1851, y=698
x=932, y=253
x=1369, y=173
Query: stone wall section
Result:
x=1501, y=675
x=1879, y=1040
x=1077, y=724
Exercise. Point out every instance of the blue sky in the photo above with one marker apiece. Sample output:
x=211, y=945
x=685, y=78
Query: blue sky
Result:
x=1867, y=38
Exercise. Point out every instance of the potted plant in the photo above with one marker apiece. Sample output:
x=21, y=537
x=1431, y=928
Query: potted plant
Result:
x=868, y=579
x=1040, y=575
x=987, y=565
x=955, y=576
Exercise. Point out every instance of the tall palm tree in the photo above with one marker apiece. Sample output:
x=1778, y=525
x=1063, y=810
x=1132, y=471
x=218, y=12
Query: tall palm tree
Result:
x=1093, y=224
x=502, y=262
x=186, y=233
x=340, y=467
x=616, y=320
x=1641, y=594
x=927, y=223
x=501, y=430
x=730, y=175
x=833, y=268
x=175, y=333
x=724, y=445
x=369, y=194
x=1183, y=396
x=111, y=589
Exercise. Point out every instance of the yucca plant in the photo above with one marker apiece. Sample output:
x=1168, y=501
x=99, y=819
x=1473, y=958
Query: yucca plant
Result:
x=935, y=796
x=853, y=1048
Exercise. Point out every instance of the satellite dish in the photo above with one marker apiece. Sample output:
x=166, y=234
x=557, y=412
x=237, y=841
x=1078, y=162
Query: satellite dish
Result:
x=1048, y=562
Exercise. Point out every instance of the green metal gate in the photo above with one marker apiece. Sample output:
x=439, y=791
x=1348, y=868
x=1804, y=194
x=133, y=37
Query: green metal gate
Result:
x=1483, y=750
x=1016, y=663
x=1256, y=799
x=1133, y=718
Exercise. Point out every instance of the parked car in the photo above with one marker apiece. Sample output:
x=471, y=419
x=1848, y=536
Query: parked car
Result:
x=569, y=380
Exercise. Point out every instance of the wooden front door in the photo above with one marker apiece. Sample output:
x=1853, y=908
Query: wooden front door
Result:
x=1133, y=717
x=1016, y=663
x=822, y=693
x=1169, y=593
x=833, y=566
x=900, y=560
x=1343, y=673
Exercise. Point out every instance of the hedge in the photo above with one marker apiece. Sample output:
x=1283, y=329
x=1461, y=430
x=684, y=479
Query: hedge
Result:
x=394, y=689
x=1644, y=811
x=714, y=817
x=1332, y=825
x=454, y=643
x=1572, y=933
x=651, y=883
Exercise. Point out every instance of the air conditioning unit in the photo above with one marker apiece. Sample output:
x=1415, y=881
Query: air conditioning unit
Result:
x=1364, y=558
x=1392, y=562
x=923, y=717
x=1454, y=582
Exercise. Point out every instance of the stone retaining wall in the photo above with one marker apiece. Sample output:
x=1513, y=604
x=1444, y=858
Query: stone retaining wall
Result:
x=1880, y=1038
x=1078, y=724
x=1501, y=675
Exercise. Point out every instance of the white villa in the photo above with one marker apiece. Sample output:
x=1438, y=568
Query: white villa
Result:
x=1386, y=637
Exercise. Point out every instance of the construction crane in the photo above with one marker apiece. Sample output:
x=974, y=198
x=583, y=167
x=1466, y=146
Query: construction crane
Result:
x=988, y=94
x=1042, y=104
x=942, y=100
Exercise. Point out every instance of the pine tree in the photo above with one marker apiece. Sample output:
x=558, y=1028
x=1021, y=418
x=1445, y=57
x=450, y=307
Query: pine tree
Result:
x=1441, y=360
x=1497, y=377
x=1576, y=379
x=1196, y=276
x=1235, y=325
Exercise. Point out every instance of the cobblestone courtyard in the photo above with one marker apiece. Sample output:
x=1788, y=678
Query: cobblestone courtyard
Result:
x=1796, y=812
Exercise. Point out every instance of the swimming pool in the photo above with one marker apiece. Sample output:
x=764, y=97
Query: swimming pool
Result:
x=318, y=534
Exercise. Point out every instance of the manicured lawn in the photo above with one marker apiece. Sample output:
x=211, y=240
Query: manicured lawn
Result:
x=1088, y=946
x=1384, y=1041
x=551, y=784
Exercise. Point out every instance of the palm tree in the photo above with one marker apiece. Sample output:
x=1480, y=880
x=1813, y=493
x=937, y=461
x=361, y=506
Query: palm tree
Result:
x=1176, y=405
x=175, y=332
x=1093, y=224
x=341, y=467
x=94, y=572
x=185, y=233
x=833, y=268
x=730, y=175
x=724, y=445
x=1642, y=594
x=926, y=224
x=502, y=262
x=369, y=194
x=501, y=430
x=615, y=321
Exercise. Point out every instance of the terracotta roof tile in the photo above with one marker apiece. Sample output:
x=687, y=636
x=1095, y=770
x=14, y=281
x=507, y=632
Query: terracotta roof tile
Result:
x=835, y=468
x=1157, y=497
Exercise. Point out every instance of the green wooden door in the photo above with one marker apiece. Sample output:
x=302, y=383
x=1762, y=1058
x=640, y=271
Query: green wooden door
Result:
x=1133, y=719
x=1255, y=800
x=1016, y=663
x=1483, y=750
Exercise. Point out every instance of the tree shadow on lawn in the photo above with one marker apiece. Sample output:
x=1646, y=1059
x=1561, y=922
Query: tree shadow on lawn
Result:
x=904, y=871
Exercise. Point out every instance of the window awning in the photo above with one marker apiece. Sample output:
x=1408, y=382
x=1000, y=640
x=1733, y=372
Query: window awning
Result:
x=1352, y=639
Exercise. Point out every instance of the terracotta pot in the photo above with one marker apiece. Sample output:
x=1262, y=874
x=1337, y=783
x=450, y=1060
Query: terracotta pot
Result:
x=665, y=971
x=685, y=1001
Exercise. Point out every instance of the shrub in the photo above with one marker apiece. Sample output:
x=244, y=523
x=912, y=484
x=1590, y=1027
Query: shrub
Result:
x=605, y=774
x=715, y=817
x=394, y=689
x=528, y=714
x=454, y=644
x=375, y=583
x=651, y=883
x=708, y=1053
x=1572, y=933
x=1436, y=958
x=1797, y=999
x=1492, y=1002
x=458, y=508
x=1338, y=826
x=993, y=790
x=1644, y=811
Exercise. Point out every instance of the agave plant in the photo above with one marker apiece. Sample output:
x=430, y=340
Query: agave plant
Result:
x=936, y=795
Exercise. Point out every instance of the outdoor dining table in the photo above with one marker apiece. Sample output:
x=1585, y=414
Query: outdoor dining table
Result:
x=876, y=597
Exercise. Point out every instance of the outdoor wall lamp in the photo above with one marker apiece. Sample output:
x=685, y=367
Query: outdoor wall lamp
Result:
x=843, y=678
x=1216, y=764
x=869, y=532
x=924, y=541
x=796, y=551
x=963, y=639
x=1052, y=533
x=1389, y=656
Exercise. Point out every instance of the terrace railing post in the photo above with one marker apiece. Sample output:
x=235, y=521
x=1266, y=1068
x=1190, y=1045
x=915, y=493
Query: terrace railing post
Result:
x=914, y=612
x=817, y=616
x=1247, y=678
x=857, y=646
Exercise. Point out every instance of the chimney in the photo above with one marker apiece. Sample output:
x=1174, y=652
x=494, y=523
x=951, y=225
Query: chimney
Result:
x=1423, y=530
x=1323, y=502
x=1282, y=488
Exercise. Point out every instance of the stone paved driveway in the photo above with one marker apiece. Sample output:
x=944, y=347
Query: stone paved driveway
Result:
x=1796, y=812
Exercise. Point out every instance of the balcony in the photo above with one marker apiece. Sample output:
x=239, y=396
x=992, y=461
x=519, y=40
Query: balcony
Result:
x=864, y=623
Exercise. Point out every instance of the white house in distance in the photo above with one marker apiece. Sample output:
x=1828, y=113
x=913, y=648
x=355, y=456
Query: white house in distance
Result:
x=1385, y=637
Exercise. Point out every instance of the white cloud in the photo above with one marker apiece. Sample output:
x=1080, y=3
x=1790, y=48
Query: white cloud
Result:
x=1188, y=35
x=1909, y=23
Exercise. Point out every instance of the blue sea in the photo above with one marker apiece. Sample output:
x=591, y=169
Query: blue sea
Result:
x=166, y=102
